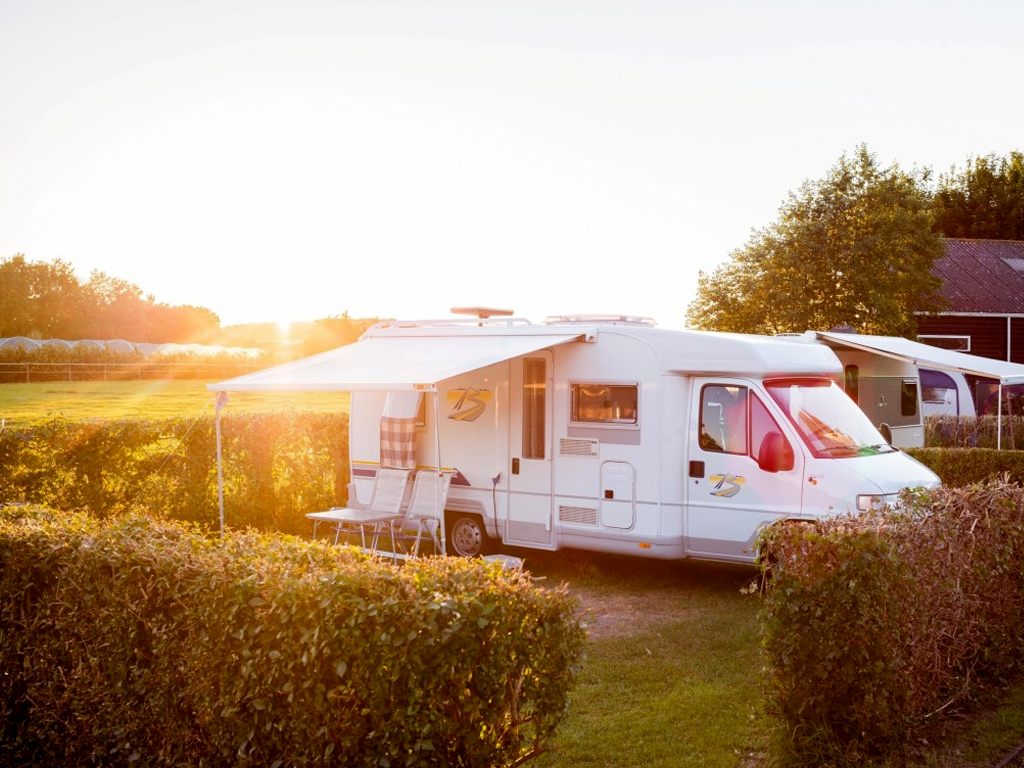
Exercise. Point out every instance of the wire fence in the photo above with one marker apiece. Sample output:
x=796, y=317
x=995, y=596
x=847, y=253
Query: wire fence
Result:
x=27, y=373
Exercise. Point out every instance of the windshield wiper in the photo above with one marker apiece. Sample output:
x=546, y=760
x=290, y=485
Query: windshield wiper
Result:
x=881, y=448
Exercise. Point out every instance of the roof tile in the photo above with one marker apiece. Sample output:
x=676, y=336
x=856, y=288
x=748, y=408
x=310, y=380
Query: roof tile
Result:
x=978, y=278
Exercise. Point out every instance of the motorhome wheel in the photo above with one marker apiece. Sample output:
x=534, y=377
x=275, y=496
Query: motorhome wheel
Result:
x=466, y=537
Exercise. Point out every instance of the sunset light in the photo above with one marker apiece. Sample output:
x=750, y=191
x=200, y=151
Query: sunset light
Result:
x=281, y=162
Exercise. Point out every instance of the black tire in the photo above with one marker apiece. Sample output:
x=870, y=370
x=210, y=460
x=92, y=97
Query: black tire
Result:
x=466, y=535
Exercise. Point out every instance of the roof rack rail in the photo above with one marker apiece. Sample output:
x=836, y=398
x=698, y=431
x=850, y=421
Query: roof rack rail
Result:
x=591, y=319
x=449, y=322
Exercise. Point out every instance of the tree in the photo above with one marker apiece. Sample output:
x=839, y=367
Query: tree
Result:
x=37, y=298
x=331, y=332
x=985, y=200
x=855, y=247
x=46, y=300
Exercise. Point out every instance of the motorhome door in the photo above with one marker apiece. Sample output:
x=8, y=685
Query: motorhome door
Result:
x=529, y=506
x=730, y=496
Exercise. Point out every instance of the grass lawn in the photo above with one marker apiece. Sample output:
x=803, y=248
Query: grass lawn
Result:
x=671, y=675
x=25, y=403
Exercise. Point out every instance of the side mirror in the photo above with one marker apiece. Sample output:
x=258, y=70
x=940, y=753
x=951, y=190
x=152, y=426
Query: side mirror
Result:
x=886, y=433
x=775, y=454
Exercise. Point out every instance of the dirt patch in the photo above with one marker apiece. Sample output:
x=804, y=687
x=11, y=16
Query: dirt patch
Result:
x=614, y=614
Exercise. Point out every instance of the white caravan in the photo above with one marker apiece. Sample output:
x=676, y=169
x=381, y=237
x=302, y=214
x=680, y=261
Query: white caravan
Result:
x=886, y=388
x=946, y=393
x=605, y=433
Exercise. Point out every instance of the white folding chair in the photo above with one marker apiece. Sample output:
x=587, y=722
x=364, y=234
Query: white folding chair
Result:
x=429, y=494
x=384, y=509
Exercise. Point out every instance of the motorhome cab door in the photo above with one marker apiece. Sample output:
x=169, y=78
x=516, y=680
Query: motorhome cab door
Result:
x=529, y=472
x=729, y=495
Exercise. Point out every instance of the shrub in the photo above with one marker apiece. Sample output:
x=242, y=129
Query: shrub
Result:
x=138, y=641
x=958, y=467
x=873, y=624
x=277, y=467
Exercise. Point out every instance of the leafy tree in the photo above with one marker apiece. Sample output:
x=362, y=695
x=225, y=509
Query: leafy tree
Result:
x=984, y=200
x=37, y=298
x=46, y=300
x=855, y=247
x=331, y=332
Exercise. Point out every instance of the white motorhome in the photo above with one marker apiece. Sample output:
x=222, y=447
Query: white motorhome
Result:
x=608, y=434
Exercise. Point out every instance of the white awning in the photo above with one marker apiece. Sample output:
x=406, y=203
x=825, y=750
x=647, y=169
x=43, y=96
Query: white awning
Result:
x=392, y=363
x=926, y=356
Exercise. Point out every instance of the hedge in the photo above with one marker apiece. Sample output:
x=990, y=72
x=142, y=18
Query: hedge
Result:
x=874, y=624
x=142, y=642
x=958, y=467
x=277, y=467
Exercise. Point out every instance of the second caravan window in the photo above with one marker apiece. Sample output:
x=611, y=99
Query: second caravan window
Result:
x=534, y=392
x=604, y=403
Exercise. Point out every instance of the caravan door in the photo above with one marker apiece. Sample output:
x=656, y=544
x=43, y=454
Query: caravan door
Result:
x=730, y=497
x=528, y=520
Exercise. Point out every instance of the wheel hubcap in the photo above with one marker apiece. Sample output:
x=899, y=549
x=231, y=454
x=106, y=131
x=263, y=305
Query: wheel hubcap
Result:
x=466, y=538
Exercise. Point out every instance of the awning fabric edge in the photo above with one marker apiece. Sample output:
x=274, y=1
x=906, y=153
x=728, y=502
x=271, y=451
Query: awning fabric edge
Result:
x=391, y=364
x=926, y=359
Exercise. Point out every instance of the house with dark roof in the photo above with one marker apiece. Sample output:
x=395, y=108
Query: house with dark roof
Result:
x=983, y=283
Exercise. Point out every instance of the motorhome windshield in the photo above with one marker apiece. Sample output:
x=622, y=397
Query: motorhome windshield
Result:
x=829, y=422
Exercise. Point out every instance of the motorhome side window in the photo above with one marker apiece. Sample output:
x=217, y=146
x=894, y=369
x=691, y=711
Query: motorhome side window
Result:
x=534, y=394
x=605, y=403
x=908, y=398
x=723, y=419
x=851, y=381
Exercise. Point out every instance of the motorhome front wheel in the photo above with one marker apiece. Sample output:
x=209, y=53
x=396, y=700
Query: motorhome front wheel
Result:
x=466, y=537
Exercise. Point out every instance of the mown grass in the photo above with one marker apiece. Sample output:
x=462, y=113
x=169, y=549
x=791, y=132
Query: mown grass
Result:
x=22, y=404
x=671, y=675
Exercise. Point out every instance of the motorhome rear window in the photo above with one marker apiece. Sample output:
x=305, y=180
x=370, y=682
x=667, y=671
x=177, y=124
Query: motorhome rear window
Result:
x=605, y=403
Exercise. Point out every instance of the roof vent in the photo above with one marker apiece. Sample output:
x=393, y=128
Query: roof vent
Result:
x=591, y=319
x=482, y=312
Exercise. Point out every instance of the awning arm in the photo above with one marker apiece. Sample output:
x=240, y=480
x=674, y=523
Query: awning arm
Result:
x=438, y=506
x=222, y=400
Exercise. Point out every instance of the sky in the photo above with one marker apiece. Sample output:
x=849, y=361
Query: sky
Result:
x=279, y=161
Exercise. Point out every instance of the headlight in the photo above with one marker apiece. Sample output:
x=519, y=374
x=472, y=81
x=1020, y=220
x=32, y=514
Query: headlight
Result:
x=866, y=501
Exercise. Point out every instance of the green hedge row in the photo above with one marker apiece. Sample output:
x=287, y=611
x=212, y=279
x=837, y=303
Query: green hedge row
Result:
x=957, y=467
x=277, y=467
x=140, y=642
x=875, y=623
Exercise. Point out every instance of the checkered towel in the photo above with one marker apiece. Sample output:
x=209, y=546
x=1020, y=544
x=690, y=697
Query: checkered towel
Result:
x=397, y=443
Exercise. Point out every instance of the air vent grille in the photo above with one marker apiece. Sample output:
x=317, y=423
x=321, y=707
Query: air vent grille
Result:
x=574, y=446
x=581, y=515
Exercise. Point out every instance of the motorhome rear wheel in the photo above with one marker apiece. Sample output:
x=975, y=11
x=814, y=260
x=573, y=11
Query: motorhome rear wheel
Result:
x=466, y=536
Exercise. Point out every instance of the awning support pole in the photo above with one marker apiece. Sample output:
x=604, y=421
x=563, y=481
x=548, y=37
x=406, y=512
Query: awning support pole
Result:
x=999, y=420
x=438, y=507
x=222, y=400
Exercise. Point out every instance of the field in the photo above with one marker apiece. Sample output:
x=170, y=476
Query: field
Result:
x=25, y=403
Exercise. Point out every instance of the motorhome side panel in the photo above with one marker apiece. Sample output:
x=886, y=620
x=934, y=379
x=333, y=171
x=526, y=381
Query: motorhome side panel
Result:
x=473, y=411
x=474, y=417
x=608, y=449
